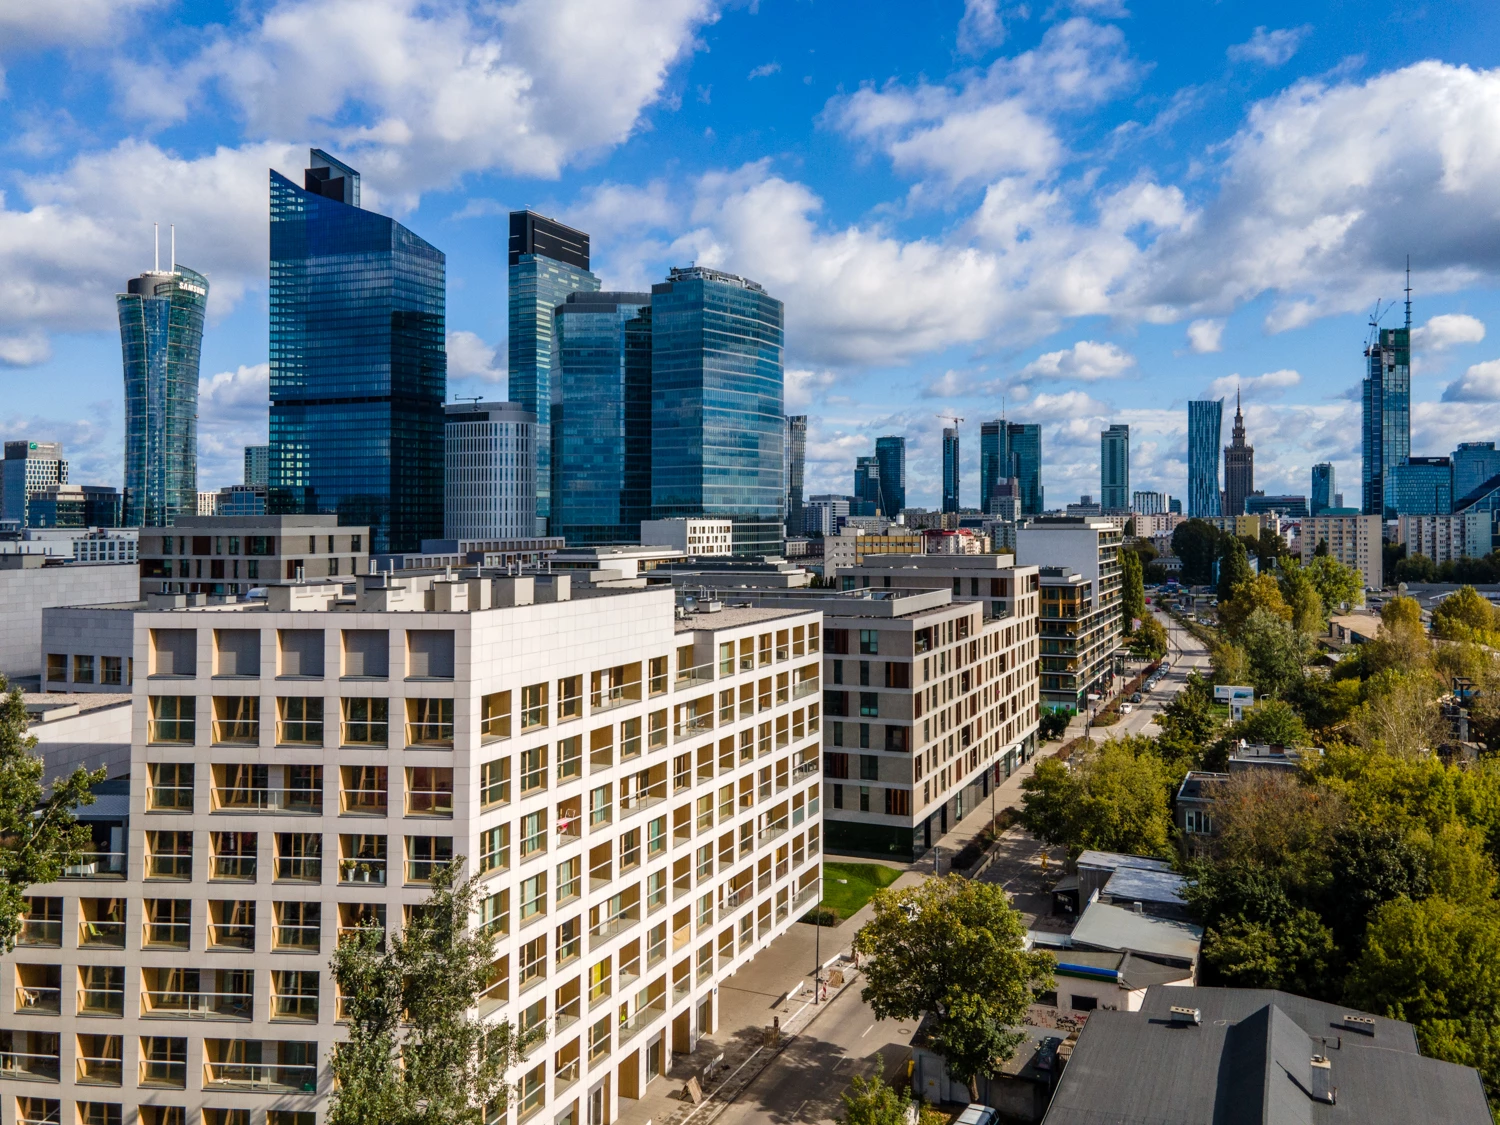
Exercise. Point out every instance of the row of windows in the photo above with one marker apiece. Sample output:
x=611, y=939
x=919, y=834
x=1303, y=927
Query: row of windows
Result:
x=48, y=1111
x=236, y=720
x=296, y=857
x=166, y=993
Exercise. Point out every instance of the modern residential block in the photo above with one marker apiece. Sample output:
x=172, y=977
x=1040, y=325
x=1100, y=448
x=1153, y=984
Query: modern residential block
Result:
x=228, y=556
x=489, y=471
x=29, y=466
x=695, y=538
x=1466, y=534
x=638, y=794
x=1353, y=540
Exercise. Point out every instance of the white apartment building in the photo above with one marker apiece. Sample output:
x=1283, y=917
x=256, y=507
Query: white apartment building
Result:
x=639, y=794
x=489, y=477
x=1353, y=540
x=1442, y=539
x=695, y=537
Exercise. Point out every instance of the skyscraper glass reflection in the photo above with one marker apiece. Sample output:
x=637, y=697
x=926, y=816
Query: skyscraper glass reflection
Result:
x=358, y=361
x=1387, y=416
x=1114, y=468
x=796, y=467
x=950, y=469
x=1323, y=487
x=1205, y=421
x=1011, y=450
x=161, y=335
x=601, y=417
x=890, y=452
x=717, y=425
x=547, y=261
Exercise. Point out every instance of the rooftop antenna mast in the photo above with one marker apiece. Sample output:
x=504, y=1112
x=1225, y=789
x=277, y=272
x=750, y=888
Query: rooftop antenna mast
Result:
x=174, y=251
x=1408, y=292
x=156, y=237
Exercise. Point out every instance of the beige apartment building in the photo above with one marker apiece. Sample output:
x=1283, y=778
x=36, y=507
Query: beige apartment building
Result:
x=228, y=556
x=1355, y=541
x=638, y=792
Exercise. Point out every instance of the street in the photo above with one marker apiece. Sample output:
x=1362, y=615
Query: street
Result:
x=1187, y=654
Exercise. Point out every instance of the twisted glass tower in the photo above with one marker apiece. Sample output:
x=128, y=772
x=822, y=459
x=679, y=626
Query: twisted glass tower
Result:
x=358, y=362
x=161, y=335
x=1205, y=422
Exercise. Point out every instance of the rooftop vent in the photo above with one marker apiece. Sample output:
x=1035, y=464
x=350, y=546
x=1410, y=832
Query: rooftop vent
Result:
x=1323, y=1089
x=1362, y=1024
x=1186, y=1015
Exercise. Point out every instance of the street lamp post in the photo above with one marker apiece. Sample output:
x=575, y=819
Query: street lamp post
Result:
x=818, y=953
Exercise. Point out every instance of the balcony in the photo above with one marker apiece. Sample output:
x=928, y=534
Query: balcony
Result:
x=98, y=1070
x=607, y=699
x=273, y=1078
x=41, y=932
x=805, y=770
x=299, y=869
x=691, y=677
x=30, y=1066
x=803, y=688
x=197, y=1005
x=97, y=865
x=303, y=802
x=642, y=1019
x=363, y=802
x=371, y=872
x=693, y=725
x=108, y=1002
x=38, y=1000
x=233, y=868
x=810, y=893
x=221, y=936
x=289, y=938
x=170, y=865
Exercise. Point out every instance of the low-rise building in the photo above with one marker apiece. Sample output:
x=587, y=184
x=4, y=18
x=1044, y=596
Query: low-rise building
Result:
x=852, y=546
x=1355, y=541
x=694, y=536
x=228, y=556
x=76, y=507
x=32, y=583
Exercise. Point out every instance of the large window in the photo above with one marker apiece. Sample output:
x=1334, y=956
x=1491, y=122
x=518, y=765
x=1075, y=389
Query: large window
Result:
x=533, y=706
x=429, y=722
x=301, y=721
x=366, y=722
x=172, y=718
x=494, y=716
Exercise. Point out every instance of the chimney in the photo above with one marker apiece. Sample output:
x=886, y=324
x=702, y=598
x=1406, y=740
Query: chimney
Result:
x=1322, y=1081
x=1184, y=1016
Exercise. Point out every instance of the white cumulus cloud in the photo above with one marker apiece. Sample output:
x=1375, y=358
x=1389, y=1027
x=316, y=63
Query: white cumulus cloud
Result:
x=469, y=357
x=1448, y=331
x=1269, y=385
x=1480, y=383
x=1205, y=336
x=1087, y=360
x=25, y=349
x=1269, y=48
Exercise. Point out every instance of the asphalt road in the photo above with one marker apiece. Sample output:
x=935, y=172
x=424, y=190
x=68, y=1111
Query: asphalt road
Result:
x=1187, y=654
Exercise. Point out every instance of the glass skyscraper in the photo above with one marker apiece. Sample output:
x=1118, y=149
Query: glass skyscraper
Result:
x=950, y=469
x=1474, y=464
x=1323, y=487
x=1011, y=450
x=795, y=459
x=1114, y=468
x=547, y=262
x=1205, y=422
x=161, y=335
x=890, y=452
x=1387, y=416
x=601, y=417
x=358, y=362
x=1420, y=486
x=717, y=421
x=866, y=487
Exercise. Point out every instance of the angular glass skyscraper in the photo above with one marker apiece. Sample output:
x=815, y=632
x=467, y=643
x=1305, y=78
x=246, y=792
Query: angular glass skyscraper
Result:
x=950, y=469
x=358, y=361
x=1323, y=487
x=1475, y=463
x=601, y=417
x=1114, y=468
x=1387, y=416
x=1420, y=486
x=795, y=459
x=1205, y=422
x=890, y=452
x=1006, y=450
x=161, y=335
x=547, y=262
x=717, y=421
x=866, y=487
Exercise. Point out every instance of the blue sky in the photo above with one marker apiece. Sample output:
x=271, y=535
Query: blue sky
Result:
x=1089, y=212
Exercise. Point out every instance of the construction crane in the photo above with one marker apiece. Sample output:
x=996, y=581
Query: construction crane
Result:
x=949, y=418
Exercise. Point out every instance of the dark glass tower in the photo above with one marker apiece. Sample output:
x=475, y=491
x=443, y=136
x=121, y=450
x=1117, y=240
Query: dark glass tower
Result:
x=601, y=417
x=717, y=421
x=796, y=467
x=950, y=469
x=1323, y=487
x=1387, y=416
x=891, y=453
x=1205, y=423
x=547, y=262
x=161, y=334
x=1239, y=466
x=866, y=487
x=1011, y=450
x=358, y=362
x=1114, y=468
x=1475, y=463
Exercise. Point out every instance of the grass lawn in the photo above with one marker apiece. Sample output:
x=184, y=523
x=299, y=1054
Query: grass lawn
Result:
x=864, y=879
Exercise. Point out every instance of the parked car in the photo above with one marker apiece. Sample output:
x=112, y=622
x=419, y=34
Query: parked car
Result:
x=976, y=1114
x=1135, y=697
x=1126, y=708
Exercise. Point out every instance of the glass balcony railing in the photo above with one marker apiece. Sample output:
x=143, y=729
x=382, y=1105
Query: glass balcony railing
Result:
x=97, y=865
x=197, y=1005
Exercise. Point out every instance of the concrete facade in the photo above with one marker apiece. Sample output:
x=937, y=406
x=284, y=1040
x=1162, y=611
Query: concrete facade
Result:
x=225, y=556
x=694, y=537
x=1354, y=541
x=26, y=590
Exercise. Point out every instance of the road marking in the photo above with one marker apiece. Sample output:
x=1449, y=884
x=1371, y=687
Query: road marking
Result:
x=867, y=1031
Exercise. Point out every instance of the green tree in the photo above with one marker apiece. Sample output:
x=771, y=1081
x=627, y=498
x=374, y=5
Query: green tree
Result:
x=1337, y=584
x=1416, y=568
x=1196, y=543
x=1272, y=722
x=1302, y=598
x=1132, y=591
x=1113, y=799
x=1370, y=865
x=1188, y=723
x=1321, y=550
x=1054, y=722
x=872, y=1102
x=1270, y=548
x=1255, y=935
x=1274, y=651
x=1150, y=640
x=1401, y=645
x=415, y=1055
x=38, y=834
x=954, y=948
x=1234, y=567
x=1464, y=615
x=1230, y=664
x=1400, y=715
x=1259, y=592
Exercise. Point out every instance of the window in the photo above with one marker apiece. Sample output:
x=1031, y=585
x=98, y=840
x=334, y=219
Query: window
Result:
x=494, y=914
x=533, y=706
x=533, y=896
x=534, y=960
x=533, y=833
x=426, y=855
x=494, y=716
x=869, y=642
x=630, y=739
x=864, y=798
x=366, y=722
x=294, y=995
x=569, y=698
x=898, y=802
x=569, y=879
x=494, y=849
x=163, y=1062
x=362, y=859
x=301, y=721
x=569, y=758
x=429, y=791
x=169, y=855
x=299, y=857
x=568, y=940
x=168, y=923
x=367, y=654
x=836, y=765
x=657, y=738
x=869, y=767
x=429, y=722
x=363, y=790
x=110, y=670
x=83, y=669
x=494, y=783
x=171, y=787
x=533, y=770
x=869, y=704
x=237, y=719
x=429, y=654
x=172, y=718
x=601, y=807
x=57, y=667
x=1198, y=822
x=658, y=672
x=897, y=674
x=600, y=983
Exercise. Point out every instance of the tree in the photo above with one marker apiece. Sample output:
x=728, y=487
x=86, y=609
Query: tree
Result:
x=1274, y=652
x=1321, y=550
x=1196, y=543
x=1260, y=592
x=1255, y=935
x=1270, y=548
x=1234, y=567
x=1054, y=722
x=1132, y=592
x=1188, y=722
x=1114, y=798
x=1336, y=583
x=1416, y=568
x=1401, y=645
x=1464, y=615
x=1400, y=715
x=956, y=949
x=1302, y=598
x=1230, y=664
x=872, y=1102
x=38, y=834
x=1370, y=865
x=1274, y=819
x=1271, y=722
x=415, y=1055
x=1150, y=640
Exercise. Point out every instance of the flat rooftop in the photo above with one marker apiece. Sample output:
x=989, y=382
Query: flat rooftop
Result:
x=733, y=617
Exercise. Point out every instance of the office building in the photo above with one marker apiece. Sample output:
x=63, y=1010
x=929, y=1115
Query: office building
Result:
x=1387, y=415
x=1475, y=463
x=505, y=554
x=851, y=546
x=228, y=556
x=1086, y=506
x=601, y=417
x=1420, y=486
x=208, y=503
x=1010, y=451
x=75, y=506
x=1354, y=540
x=824, y=515
x=28, y=466
x=994, y=462
x=1323, y=488
x=717, y=421
x=161, y=337
x=105, y=544
x=1444, y=538
x=1205, y=419
x=890, y=451
x=866, y=487
x=358, y=361
x=796, y=467
x=950, y=469
x=489, y=480
x=1287, y=506
x=257, y=466
x=1239, y=466
x=240, y=500
x=695, y=538
x=639, y=796
x=547, y=261
x=1080, y=576
x=1174, y=505
x=1114, y=468
x=1026, y=464
x=1149, y=503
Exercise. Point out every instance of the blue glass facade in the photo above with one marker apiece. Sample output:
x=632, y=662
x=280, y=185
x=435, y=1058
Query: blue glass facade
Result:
x=1114, y=468
x=1475, y=463
x=161, y=335
x=1205, y=420
x=890, y=452
x=1387, y=417
x=601, y=391
x=1323, y=487
x=1011, y=449
x=547, y=261
x=951, y=481
x=795, y=459
x=866, y=487
x=1421, y=486
x=358, y=362
x=717, y=387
